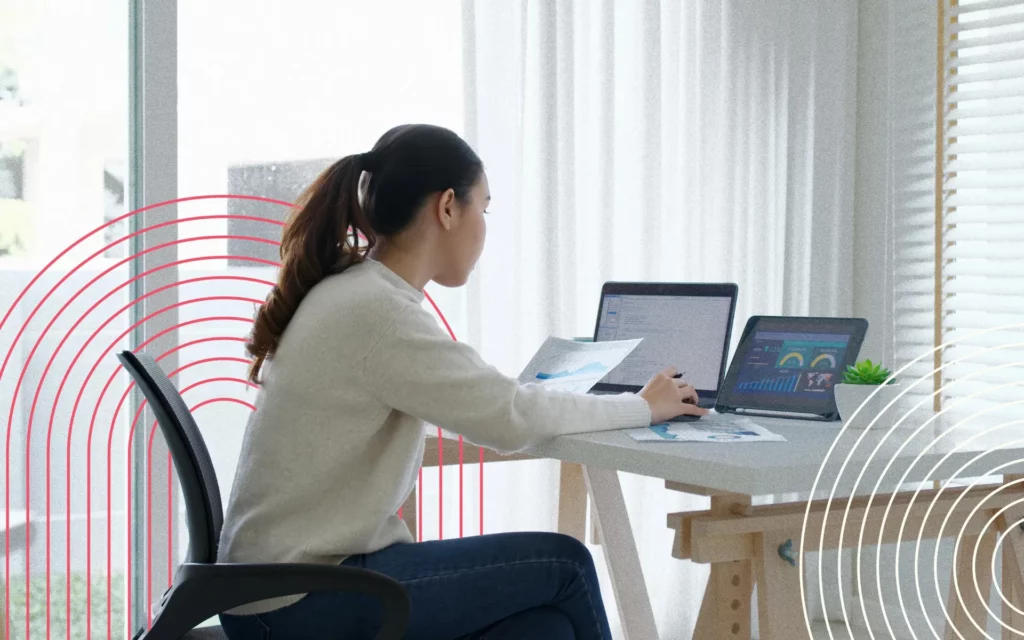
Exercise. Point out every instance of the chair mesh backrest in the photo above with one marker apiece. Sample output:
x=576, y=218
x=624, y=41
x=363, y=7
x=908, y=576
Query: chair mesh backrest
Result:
x=191, y=457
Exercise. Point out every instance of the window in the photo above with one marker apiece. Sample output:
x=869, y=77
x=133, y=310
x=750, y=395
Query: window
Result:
x=982, y=199
x=958, y=199
x=912, y=110
x=63, y=134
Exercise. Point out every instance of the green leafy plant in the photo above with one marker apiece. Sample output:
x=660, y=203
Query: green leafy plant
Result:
x=866, y=372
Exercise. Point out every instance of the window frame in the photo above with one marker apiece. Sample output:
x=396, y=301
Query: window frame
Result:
x=152, y=178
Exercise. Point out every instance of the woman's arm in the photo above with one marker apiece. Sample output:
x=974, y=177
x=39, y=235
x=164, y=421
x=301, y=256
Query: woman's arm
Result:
x=417, y=369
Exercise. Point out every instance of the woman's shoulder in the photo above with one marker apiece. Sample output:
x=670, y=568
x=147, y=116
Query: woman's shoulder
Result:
x=360, y=293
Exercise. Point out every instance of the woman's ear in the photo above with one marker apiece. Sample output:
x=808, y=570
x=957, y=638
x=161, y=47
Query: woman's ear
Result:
x=446, y=209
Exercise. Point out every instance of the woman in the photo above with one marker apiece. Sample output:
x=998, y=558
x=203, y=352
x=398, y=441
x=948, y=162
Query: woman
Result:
x=350, y=366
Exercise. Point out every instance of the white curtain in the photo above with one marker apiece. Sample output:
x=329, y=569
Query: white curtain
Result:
x=673, y=140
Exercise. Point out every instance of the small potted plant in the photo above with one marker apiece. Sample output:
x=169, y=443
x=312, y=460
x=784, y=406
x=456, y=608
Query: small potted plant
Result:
x=858, y=383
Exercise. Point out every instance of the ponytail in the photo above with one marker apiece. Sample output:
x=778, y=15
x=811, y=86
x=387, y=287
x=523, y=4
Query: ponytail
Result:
x=328, y=209
x=322, y=235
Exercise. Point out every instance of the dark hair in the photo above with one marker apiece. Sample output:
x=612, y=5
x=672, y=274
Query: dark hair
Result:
x=321, y=237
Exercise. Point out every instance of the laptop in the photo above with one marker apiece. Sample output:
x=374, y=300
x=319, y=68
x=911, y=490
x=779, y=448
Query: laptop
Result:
x=688, y=326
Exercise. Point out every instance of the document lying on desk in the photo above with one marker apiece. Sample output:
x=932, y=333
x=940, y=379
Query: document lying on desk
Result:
x=575, y=366
x=714, y=427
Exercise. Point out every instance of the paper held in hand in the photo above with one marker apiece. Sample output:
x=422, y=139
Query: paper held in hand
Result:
x=574, y=366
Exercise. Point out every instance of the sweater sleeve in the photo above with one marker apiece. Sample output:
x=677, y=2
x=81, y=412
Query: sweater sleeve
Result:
x=417, y=369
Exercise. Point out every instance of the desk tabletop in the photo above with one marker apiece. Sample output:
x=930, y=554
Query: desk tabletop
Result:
x=923, y=450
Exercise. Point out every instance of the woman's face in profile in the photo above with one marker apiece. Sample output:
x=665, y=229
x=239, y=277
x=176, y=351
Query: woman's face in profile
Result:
x=465, y=243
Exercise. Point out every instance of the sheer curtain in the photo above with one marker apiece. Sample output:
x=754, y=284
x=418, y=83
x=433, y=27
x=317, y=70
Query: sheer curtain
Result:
x=653, y=140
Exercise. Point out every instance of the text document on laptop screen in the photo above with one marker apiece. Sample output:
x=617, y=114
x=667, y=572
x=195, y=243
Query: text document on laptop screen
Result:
x=687, y=332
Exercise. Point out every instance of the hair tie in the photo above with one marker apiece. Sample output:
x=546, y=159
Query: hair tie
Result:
x=369, y=161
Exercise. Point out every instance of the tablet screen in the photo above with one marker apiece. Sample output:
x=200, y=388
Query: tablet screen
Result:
x=792, y=364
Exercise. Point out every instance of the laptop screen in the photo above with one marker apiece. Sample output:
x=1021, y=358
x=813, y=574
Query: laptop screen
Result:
x=687, y=332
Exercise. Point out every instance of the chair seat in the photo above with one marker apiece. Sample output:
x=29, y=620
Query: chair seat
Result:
x=205, y=633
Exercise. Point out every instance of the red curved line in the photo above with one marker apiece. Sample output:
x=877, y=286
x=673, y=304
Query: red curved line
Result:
x=170, y=481
x=53, y=411
x=89, y=477
x=170, y=460
x=123, y=261
x=481, y=491
x=243, y=381
x=46, y=268
x=110, y=444
x=131, y=434
x=441, y=315
x=170, y=468
x=149, y=490
x=85, y=237
x=440, y=442
x=461, y=519
x=440, y=467
x=93, y=420
x=170, y=520
x=149, y=527
x=102, y=356
x=25, y=325
x=440, y=484
x=149, y=473
x=224, y=399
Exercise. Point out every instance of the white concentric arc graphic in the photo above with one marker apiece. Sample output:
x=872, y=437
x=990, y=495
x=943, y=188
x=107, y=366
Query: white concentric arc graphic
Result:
x=973, y=525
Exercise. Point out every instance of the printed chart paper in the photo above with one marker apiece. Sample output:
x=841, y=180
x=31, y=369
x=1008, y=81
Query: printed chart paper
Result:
x=714, y=427
x=575, y=366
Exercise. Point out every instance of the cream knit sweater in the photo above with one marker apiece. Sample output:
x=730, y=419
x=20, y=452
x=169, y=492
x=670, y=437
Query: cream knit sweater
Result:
x=336, y=441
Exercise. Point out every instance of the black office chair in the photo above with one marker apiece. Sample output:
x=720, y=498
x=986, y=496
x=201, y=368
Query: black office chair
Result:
x=202, y=588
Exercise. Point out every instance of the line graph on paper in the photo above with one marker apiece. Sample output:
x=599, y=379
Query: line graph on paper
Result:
x=591, y=368
x=574, y=366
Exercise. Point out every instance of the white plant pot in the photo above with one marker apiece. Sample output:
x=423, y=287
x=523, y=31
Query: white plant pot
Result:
x=850, y=397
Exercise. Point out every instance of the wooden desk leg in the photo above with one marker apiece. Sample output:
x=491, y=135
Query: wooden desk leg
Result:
x=1011, y=593
x=609, y=509
x=779, y=609
x=1013, y=570
x=725, y=610
x=966, y=606
x=572, y=501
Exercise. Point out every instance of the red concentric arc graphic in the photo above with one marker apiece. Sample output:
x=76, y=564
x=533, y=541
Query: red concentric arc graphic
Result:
x=85, y=344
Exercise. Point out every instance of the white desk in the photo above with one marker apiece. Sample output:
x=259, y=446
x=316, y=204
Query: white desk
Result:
x=771, y=468
x=740, y=540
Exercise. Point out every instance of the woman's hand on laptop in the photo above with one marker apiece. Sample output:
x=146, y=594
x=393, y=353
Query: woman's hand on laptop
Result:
x=669, y=397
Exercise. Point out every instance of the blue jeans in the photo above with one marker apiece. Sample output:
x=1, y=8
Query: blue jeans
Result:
x=541, y=586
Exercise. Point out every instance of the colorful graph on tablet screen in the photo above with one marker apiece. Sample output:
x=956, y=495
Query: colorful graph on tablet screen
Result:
x=803, y=364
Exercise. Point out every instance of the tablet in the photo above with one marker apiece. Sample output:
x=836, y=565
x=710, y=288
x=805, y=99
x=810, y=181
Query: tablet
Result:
x=789, y=366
